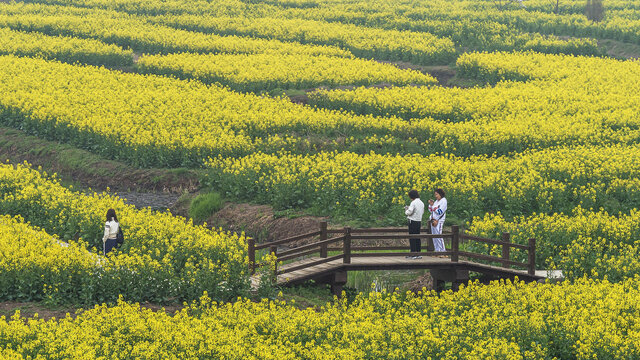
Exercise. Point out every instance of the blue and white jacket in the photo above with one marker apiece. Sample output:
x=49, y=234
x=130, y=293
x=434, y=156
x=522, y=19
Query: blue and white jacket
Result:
x=438, y=209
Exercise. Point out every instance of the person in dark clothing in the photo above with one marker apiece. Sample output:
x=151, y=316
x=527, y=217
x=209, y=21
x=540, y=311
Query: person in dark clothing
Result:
x=414, y=214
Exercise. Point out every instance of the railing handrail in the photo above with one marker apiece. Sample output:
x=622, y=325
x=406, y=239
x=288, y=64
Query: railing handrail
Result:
x=398, y=233
x=401, y=236
x=289, y=239
x=312, y=245
x=493, y=241
x=373, y=230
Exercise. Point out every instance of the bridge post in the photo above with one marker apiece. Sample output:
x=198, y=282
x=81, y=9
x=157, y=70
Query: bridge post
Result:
x=323, y=236
x=455, y=240
x=347, y=245
x=251, y=252
x=274, y=251
x=506, y=238
x=532, y=257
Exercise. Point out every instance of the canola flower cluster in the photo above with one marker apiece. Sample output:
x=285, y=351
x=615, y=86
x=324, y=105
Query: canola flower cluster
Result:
x=584, y=320
x=157, y=121
x=371, y=43
x=596, y=244
x=34, y=262
x=468, y=24
x=490, y=25
x=565, y=101
x=620, y=21
x=137, y=33
x=548, y=180
x=301, y=20
x=63, y=48
x=164, y=258
x=213, y=121
x=264, y=72
x=163, y=7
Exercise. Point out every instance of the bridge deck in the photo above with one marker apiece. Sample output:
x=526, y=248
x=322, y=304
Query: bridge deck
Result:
x=389, y=263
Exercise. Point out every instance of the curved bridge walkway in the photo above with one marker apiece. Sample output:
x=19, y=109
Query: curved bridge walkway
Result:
x=327, y=255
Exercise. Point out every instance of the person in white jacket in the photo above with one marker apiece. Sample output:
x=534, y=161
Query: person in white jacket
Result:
x=438, y=210
x=414, y=214
x=111, y=227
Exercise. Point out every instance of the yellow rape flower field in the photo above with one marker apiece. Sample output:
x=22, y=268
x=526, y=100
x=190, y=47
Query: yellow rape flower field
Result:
x=165, y=257
x=270, y=71
x=584, y=320
x=63, y=48
x=524, y=112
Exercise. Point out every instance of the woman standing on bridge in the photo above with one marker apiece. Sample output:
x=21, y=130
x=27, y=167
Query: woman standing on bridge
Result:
x=438, y=210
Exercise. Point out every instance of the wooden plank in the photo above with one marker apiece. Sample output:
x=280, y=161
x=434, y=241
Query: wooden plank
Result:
x=399, y=236
x=402, y=254
x=384, y=230
x=369, y=248
x=302, y=266
x=323, y=236
x=284, y=241
x=498, y=269
x=302, y=261
x=506, y=237
x=492, y=258
x=492, y=241
x=285, y=258
x=311, y=246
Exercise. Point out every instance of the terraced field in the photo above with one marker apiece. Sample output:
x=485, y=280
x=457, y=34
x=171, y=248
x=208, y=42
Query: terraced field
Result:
x=534, y=132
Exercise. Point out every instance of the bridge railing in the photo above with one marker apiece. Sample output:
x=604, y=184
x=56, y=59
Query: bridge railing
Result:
x=341, y=244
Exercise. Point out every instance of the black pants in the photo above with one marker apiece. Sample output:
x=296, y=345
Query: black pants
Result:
x=414, y=228
x=109, y=245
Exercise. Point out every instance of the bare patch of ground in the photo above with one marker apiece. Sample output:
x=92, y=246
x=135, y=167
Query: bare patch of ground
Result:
x=301, y=99
x=620, y=50
x=261, y=222
x=29, y=309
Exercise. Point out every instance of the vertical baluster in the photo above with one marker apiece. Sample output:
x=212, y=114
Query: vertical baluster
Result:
x=506, y=238
x=347, y=245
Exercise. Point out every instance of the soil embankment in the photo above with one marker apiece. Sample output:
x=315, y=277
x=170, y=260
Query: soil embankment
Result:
x=262, y=222
x=76, y=166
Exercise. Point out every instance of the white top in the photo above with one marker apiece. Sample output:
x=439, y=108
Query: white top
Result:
x=110, y=230
x=415, y=211
x=438, y=209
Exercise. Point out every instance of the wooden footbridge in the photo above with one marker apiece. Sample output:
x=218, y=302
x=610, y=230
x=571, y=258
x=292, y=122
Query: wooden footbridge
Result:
x=327, y=255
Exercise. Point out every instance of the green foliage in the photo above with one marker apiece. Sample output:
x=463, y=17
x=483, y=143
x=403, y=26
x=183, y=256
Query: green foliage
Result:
x=204, y=205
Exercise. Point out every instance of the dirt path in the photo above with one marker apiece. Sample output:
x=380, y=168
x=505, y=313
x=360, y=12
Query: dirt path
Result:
x=155, y=201
x=620, y=50
x=47, y=312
